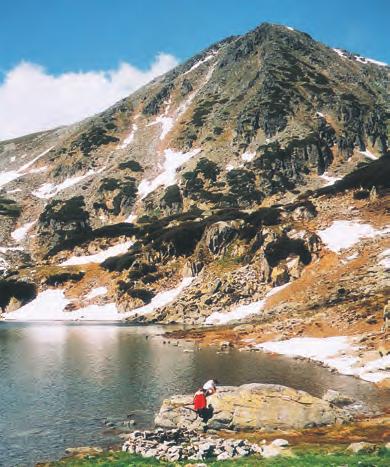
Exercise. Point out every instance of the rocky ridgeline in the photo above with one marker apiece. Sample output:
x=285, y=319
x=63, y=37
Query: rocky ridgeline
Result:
x=181, y=444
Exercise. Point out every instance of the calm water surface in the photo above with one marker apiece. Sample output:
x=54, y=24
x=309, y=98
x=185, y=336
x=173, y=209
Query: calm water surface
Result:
x=58, y=382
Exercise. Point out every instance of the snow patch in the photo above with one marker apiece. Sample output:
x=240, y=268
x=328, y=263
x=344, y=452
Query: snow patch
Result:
x=366, y=60
x=238, y=313
x=98, y=257
x=4, y=249
x=329, y=180
x=340, y=53
x=200, y=62
x=277, y=289
x=131, y=219
x=160, y=300
x=290, y=28
x=130, y=138
x=229, y=167
x=7, y=177
x=242, y=311
x=3, y=264
x=19, y=234
x=17, y=190
x=107, y=312
x=335, y=352
x=344, y=234
x=38, y=170
x=48, y=305
x=167, y=124
x=369, y=155
x=248, y=156
x=350, y=258
x=359, y=58
x=385, y=259
x=48, y=190
x=96, y=292
x=173, y=160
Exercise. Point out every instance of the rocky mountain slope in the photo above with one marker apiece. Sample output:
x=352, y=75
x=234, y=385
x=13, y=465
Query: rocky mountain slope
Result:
x=262, y=161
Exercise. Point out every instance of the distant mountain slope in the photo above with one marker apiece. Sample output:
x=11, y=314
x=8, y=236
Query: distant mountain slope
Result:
x=221, y=170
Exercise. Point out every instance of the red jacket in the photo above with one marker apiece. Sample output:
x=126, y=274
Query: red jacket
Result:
x=200, y=401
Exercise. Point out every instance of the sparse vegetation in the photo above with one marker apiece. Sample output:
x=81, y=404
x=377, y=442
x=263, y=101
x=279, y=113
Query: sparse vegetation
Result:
x=300, y=459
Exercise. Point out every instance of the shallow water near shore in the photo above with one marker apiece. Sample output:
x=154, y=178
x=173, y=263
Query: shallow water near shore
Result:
x=59, y=381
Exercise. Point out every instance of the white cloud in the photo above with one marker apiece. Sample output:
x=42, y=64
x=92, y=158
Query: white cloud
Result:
x=31, y=99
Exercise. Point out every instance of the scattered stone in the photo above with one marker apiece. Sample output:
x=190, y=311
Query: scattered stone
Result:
x=226, y=345
x=362, y=447
x=371, y=320
x=180, y=444
x=243, y=328
x=280, y=442
x=84, y=450
x=336, y=398
x=271, y=451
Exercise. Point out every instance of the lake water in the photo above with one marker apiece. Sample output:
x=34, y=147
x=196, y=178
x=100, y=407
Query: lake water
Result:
x=58, y=382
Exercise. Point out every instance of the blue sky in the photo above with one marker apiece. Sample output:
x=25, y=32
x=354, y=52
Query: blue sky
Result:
x=66, y=35
x=62, y=60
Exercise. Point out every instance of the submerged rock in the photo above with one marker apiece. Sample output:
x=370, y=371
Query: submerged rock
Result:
x=252, y=407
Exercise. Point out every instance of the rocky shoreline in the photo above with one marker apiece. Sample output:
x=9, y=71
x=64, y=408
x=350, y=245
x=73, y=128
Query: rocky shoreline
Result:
x=179, y=444
x=255, y=421
x=182, y=435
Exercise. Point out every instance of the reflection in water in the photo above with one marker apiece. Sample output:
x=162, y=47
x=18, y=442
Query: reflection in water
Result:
x=58, y=381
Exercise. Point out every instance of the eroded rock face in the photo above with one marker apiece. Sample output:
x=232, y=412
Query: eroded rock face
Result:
x=62, y=223
x=253, y=407
x=15, y=293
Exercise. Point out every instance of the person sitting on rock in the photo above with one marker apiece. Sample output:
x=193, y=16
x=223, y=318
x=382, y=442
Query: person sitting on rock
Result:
x=200, y=402
x=210, y=387
x=200, y=406
x=386, y=316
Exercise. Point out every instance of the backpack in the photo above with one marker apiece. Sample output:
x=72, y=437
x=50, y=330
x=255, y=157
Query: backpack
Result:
x=200, y=401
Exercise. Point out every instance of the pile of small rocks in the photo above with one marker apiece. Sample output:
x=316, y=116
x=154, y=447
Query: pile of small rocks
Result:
x=179, y=444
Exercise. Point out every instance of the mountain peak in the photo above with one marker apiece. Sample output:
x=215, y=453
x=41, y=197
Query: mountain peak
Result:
x=214, y=170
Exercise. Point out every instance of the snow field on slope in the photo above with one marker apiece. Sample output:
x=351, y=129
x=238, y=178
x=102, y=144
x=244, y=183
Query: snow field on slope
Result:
x=98, y=258
x=335, y=352
x=328, y=179
x=50, y=304
x=96, y=292
x=7, y=177
x=48, y=190
x=173, y=160
x=160, y=300
x=19, y=234
x=242, y=311
x=129, y=138
x=343, y=234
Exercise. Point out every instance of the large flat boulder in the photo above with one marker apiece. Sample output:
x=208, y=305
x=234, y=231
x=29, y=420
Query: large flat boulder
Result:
x=253, y=407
